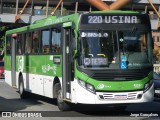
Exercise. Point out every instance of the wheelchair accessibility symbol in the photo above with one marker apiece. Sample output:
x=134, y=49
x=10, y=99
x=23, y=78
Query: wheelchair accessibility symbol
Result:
x=123, y=65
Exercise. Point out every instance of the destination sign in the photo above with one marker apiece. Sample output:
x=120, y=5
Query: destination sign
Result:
x=111, y=19
x=93, y=34
x=95, y=61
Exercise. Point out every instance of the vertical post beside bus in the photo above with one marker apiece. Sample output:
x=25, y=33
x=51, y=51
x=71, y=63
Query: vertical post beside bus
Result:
x=13, y=59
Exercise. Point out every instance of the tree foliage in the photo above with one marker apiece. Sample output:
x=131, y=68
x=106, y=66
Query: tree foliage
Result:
x=3, y=29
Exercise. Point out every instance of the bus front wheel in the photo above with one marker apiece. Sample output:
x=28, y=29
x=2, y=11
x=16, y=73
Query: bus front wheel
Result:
x=62, y=105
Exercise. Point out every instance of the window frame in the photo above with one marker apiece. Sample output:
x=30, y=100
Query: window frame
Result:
x=9, y=46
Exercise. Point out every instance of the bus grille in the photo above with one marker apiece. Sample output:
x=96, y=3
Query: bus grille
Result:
x=117, y=74
x=119, y=96
x=120, y=74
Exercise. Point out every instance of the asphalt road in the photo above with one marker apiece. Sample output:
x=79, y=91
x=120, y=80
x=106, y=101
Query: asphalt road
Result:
x=44, y=108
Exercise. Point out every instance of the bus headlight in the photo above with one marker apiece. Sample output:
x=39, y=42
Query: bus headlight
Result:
x=148, y=85
x=90, y=88
x=87, y=86
x=82, y=83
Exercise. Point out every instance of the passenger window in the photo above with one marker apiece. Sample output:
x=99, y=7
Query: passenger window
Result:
x=19, y=44
x=45, y=41
x=27, y=38
x=8, y=45
x=56, y=41
x=35, y=42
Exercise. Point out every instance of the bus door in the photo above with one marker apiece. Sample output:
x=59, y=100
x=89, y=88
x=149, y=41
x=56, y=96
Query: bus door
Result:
x=13, y=59
x=67, y=60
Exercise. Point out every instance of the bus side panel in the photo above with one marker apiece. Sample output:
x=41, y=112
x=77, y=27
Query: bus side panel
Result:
x=53, y=69
x=8, y=79
x=38, y=73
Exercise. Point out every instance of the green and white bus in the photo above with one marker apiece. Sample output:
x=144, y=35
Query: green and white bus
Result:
x=101, y=57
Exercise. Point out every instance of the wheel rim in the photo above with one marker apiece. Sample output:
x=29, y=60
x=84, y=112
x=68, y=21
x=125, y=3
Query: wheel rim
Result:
x=59, y=98
x=21, y=88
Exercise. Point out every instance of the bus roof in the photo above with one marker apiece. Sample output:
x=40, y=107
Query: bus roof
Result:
x=45, y=22
x=55, y=20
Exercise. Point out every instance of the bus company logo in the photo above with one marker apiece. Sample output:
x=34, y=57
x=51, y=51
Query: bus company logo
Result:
x=100, y=86
x=20, y=63
x=137, y=85
x=47, y=68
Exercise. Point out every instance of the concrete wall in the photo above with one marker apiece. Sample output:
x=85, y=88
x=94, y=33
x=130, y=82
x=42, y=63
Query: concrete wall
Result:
x=10, y=18
x=139, y=1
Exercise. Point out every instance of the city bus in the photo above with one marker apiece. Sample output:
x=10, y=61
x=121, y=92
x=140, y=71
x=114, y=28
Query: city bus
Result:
x=96, y=58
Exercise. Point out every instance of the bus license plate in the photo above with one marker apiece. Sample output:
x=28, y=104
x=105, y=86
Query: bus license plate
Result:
x=120, y=97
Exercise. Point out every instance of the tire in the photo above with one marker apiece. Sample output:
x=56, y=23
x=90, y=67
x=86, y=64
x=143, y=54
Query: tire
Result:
x=22, y=93
x=62, y=105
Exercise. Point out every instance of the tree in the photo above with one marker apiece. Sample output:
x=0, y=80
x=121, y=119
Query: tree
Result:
x=3, y=29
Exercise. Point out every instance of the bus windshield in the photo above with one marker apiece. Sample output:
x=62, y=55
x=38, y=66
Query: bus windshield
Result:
x=115, y=49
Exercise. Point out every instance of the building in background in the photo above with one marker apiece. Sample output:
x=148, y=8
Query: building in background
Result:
x=38, y=9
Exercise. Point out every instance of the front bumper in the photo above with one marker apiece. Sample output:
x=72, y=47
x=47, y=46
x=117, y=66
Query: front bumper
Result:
x=83, y=96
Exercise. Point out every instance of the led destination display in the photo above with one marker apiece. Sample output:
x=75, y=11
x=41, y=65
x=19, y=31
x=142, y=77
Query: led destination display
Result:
x=112, y=19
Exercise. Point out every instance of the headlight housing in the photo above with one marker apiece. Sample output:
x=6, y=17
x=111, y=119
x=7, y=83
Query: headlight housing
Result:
x=148, y=85
x=87, y=86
